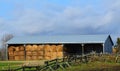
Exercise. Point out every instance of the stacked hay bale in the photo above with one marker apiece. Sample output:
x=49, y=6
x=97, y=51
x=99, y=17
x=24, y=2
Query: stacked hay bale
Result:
x=19, y=53
x=34, y=52
x=40, y=52
x=59, y=50
x=16, y=52
x=11, y=50
x=53, y=51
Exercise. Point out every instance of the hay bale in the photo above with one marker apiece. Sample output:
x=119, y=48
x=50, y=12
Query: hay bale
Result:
x=35, y=47
x=28, y=47
x=47, y=58
x=47, y=48
x=47, y=54
x=28, y=53
x=53, y=55
x=59, y=54
x=40, y=53
x=21, y=48
x=59, y=48
x=34, y=53
x=17, y=58
x=21, y=53
x=34, y=58
x=17, y=49
x=40, y=57
x=28, y=57
x=11, y=53
x=16, y=52
x=22, y=57
x=11, y=57
x=11, y=48
x=53, y=48
x=40, y=47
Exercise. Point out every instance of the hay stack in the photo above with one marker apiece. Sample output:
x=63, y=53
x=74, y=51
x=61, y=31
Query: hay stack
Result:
x=28, y=53
x=17, y=49
x=34, y=57
x=21, y=48
x=28, y=47
x=34, y=47
x=40, y=47
x=59, y=48
x=59, y=54
x=53, y=48
x=16, y=53
x=40, y=57
x=21, y=53
x=17, y=58
x=47, y=48
x=53, y=55
x=40, y=53
x=28, y=57
x=11, y=53
x=34, y=53
x=11, y=57
x=47, y=58
x=11, y=48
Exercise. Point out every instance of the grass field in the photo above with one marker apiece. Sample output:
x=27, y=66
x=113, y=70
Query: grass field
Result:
x=91, y=66
x=16, y=64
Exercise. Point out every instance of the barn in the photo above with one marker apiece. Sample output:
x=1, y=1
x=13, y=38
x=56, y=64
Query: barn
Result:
x=51, y=47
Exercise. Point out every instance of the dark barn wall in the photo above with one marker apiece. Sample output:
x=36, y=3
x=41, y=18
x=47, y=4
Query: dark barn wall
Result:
x=98, y=48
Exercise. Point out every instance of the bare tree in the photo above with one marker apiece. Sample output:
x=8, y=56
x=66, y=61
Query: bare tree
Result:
x=4, y=39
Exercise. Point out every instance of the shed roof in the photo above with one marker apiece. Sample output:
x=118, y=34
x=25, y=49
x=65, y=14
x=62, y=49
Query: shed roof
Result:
x=59, y=39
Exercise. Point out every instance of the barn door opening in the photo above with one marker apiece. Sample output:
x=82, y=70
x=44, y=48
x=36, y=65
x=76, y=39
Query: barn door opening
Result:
x=73, y=49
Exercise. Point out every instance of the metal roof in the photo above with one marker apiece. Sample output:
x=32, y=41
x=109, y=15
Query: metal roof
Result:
x=58, y=39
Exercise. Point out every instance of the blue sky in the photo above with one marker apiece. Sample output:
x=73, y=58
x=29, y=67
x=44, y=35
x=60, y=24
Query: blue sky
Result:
x=59, y=17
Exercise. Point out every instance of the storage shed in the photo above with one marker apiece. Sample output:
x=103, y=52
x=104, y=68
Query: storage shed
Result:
x=51, y=47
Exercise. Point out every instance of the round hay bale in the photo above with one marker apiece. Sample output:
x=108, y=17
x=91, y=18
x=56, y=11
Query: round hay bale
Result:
x=59, y=54
x=35, y=47
x=28, y=47
x=21, y=48
x=21, y=53
x=34, y=53
x=17, y=58
x=53, y=48
x=11, y=53
x=47, y=47
x=22, y=57
x=34, y=58
x=47, y=58
x=59, y=48
x=47, y=54
x=16, y=52
x=11, y=48
x=28, y=53
x=40, y=53
x=53, y=55
x=16, y=48
x=40, y=57
x=28, y=57
x=40, y=47
x=11, y=58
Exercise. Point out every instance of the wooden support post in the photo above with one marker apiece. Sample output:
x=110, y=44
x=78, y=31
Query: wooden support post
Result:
x=103, y=48
x=82, y=49
x=6, y=51
x=24, y=52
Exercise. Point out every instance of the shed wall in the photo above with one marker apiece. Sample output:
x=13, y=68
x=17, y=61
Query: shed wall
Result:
x=108, y=45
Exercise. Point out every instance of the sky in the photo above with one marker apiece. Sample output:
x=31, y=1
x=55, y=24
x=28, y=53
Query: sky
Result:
x=59, y=17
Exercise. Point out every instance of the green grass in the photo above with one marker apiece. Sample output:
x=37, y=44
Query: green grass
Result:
x=90, y=66
x=94, y=66
x=16, y=64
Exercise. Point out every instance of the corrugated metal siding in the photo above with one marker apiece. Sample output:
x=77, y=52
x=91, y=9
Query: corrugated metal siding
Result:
x=59, y=39
x=108, y=45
